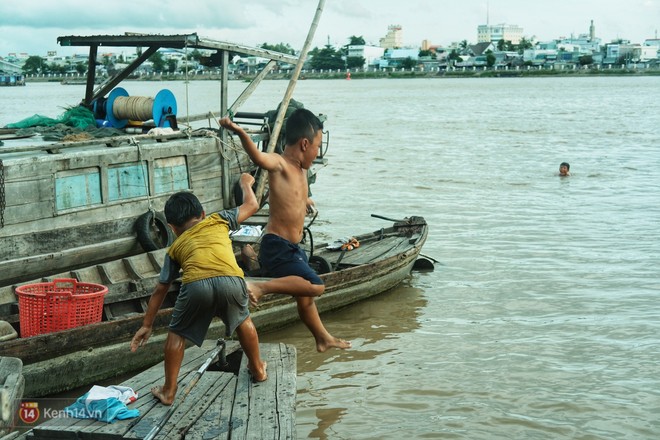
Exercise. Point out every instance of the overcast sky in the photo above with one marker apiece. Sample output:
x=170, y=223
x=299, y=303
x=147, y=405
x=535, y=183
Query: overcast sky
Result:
x=32, y=26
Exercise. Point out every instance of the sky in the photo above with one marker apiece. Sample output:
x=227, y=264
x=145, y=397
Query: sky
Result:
x=32, y=26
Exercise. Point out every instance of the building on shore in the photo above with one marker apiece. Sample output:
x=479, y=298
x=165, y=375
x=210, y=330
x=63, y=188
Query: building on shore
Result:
x=368, y=52
x=394, y=37
x=487, y=33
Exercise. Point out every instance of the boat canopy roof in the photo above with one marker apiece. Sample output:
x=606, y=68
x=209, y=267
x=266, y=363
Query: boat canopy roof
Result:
x=152, y=42
x=180, y=41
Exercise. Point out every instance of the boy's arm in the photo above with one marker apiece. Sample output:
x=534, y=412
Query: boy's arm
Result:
x=267, y=161
x=144, y=333
x=250, y=204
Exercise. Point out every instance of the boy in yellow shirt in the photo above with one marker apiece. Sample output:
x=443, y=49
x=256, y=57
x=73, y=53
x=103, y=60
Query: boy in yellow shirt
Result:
x=212, y=284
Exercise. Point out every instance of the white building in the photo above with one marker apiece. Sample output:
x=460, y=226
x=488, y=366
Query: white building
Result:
x=394, y=37
x=369, y=53
x=487, y=33
x=394, y=57
x=653, y=43
x=648, y=53
x=584, y=43
x=627, y=52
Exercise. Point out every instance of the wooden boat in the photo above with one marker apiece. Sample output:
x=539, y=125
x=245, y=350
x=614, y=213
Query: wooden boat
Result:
x=58, y=361
x=220, y=401
x=12, y=80
x=72, y=203
x=77, y=82
x=11, y=392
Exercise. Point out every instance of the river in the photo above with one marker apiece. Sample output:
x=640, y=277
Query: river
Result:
x=542, y=317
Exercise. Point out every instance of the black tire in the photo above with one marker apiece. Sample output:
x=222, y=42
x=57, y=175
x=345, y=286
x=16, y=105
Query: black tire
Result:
x=320, y=264
x=152, y=231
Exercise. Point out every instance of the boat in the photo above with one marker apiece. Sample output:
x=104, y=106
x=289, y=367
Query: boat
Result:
x=11, y=391
x=12, y=80
x=79, y=200
x=216, y=399
x=62, y=360
x=78, y=81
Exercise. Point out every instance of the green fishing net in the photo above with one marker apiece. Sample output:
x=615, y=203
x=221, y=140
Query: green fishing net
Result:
x=77, y=117
x=76, y=123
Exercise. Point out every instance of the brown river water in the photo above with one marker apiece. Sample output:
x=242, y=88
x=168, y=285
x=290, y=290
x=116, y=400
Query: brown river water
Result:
x=542, y=317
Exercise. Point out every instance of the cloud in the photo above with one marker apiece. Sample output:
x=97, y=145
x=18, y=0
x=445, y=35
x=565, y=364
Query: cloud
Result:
x=122, y=14
x=34, y=26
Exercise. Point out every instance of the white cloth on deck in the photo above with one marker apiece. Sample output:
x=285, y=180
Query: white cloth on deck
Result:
x=123, y=394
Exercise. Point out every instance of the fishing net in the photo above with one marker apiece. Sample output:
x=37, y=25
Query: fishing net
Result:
x=77, y=117
x=75, y=124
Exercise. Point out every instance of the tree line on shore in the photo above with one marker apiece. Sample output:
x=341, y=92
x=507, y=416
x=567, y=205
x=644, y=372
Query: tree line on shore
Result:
x=327, y=58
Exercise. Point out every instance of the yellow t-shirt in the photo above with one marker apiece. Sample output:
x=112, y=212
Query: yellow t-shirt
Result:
x=205, y=250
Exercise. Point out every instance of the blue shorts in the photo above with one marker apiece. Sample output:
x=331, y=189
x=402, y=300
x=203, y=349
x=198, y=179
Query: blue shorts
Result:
x=280, y=258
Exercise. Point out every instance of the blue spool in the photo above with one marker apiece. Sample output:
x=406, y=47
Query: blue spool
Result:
x=110, y=115
x=164, y=105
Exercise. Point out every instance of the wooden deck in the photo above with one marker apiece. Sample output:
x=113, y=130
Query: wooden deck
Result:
x=12, y=384
x=222, y=405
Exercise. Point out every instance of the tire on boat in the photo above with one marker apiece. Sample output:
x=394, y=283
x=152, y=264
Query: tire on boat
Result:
x=152, y=231
x=320, y=264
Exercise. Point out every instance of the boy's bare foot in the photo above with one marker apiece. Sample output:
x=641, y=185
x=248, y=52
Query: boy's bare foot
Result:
x=332, y=343
x=255, y=292
x=259, y=374
x=165, y=398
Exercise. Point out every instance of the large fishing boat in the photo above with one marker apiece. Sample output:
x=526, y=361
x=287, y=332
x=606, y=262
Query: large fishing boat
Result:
x=78, y=200
x=89, y=211
x=363, y=266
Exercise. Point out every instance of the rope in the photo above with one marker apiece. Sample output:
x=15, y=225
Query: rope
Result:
x=133, y=141
x=2, y=195
x=235, y=148
x=187, y=84
x=135, y=108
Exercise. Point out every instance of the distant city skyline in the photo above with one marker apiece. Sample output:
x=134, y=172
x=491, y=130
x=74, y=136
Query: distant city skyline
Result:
x=32, y=26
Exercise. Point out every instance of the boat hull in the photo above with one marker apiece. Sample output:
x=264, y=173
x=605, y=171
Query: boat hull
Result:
x=82, y=205
x=100, y=351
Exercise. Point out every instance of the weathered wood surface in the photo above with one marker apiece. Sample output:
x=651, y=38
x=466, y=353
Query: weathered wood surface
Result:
x=11, y=391
x=382, y=261
x=223, y=405
x=39, y=238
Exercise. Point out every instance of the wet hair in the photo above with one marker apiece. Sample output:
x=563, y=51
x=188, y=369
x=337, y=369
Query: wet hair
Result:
x=302, y=124
x=181, y=207
x=565, y=164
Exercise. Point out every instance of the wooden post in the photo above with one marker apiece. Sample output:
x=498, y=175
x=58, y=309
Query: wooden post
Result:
x=263, y=176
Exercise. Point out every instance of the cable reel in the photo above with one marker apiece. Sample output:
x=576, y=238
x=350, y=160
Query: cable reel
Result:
x=119, y=108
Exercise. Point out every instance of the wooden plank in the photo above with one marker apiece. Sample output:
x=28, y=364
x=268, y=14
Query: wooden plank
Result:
x=194, y=357
x=75, y=232
x=266, y=409
x=222, y=405
x=286, y=391
x=12, y=385
x=35, y=348
x=207, y=390
x=141, y=384
x=26, y=191
x=216, y=420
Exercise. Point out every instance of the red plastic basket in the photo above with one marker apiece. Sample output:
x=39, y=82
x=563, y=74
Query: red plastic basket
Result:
x=58, y=305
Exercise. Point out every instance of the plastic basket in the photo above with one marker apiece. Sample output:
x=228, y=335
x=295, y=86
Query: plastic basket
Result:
x=58, y=305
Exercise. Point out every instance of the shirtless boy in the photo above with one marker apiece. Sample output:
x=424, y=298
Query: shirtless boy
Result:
x=212, y=284
x=279, y=254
